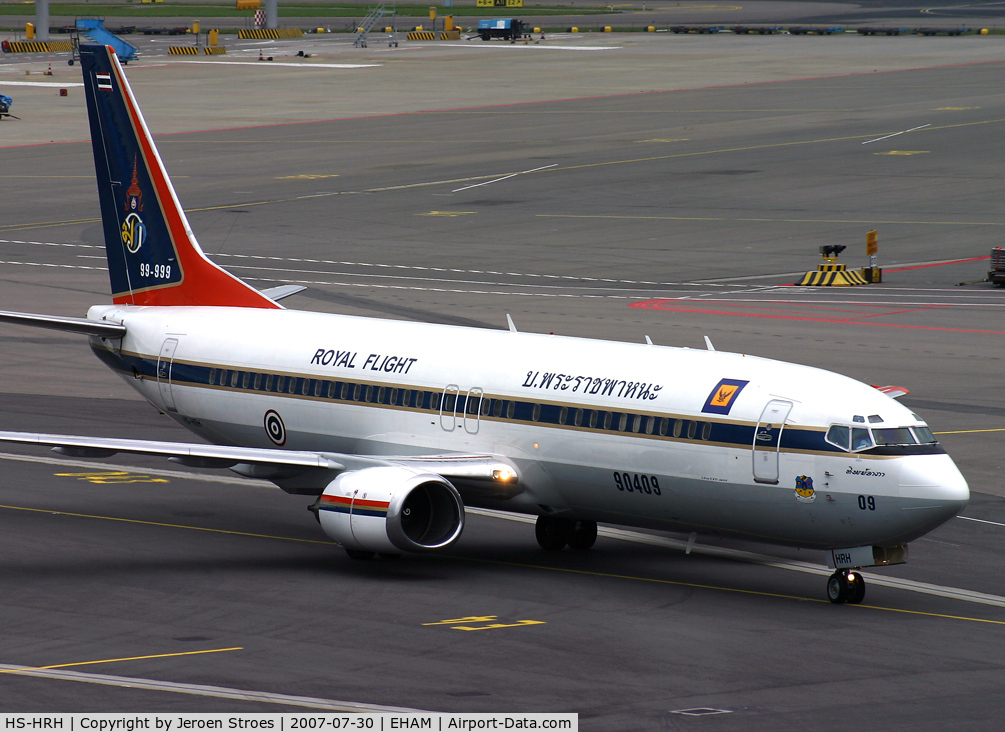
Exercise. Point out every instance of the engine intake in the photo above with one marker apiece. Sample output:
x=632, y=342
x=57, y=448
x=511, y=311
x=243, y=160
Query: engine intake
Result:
x=391, y=509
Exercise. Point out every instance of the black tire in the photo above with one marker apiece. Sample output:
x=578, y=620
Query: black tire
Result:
x=837, y=588
x=553, y=533
x=359, y=554
x=856, y=588
x=584, y=536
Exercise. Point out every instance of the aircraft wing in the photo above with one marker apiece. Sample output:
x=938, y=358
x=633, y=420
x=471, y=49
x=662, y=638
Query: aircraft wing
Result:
x=294, y=470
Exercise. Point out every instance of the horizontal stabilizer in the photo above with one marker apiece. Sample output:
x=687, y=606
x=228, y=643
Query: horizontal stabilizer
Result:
x=278, y=293
x=70, y=325
x=894, y=391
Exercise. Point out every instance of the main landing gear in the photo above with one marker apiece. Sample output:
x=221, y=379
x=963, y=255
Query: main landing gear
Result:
x=845, y=585
x=555, y=533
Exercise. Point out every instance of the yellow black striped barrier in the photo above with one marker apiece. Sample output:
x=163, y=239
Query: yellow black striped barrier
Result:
x=214, y=50
x=450, y=35
x=36, y=46
x=183, y=50
x=421, y=36
x=833, y=275
x=274, y=33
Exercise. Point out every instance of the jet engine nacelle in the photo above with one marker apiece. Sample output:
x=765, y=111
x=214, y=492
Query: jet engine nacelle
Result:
x=391, y=509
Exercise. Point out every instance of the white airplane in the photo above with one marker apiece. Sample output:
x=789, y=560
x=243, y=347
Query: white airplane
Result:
x=395, y=427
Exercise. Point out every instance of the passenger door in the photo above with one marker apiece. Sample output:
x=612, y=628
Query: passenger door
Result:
x=767, y=438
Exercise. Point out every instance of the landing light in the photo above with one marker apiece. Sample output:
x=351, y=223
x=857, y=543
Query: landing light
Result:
x=505, y=475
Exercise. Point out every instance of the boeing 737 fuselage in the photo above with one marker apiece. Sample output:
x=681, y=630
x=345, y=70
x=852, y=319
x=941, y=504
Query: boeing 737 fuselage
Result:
x=395, y=427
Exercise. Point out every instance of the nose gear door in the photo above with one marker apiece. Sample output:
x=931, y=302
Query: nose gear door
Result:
x=767, y=438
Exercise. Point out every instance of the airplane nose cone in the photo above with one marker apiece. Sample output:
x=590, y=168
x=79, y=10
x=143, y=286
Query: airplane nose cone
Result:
x=934, y=481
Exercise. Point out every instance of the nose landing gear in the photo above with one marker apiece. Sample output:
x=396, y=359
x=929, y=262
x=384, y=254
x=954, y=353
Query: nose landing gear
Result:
x=844, y=586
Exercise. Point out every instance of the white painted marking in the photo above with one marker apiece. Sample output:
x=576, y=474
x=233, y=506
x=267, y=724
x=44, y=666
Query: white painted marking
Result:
x=887, y=137
x=219, y=692
x=64, y=85
x=266, y=64
x=537, y=46
x=980, y=521
x=505, y=177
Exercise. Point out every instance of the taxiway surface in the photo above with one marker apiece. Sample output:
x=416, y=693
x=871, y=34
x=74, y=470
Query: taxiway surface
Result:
x=677, y=213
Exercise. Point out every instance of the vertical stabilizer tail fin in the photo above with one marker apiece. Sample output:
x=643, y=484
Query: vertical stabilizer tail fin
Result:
x=153, y=256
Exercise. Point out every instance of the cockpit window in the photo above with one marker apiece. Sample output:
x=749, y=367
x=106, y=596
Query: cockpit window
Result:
x=894, y=436
x=860, y=439
x=839, y=436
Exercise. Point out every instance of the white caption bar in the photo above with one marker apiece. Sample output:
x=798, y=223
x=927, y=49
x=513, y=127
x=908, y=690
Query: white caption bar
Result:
x=435, y=721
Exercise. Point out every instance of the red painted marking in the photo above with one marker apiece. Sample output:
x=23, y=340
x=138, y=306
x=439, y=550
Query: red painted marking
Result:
x=676, y=307
x=541, y=101
x=938, y=264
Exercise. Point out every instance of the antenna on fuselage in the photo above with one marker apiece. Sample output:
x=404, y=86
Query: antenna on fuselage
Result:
x=708, y=344
x=649, y=340
x=509, y=322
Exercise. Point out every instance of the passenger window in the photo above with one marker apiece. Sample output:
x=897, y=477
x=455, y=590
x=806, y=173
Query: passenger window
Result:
x=860, y=439
x=331, y=389
x=280, y=383
x=706, y=431
x=268, y=382
x=839, y=436
x=212, y=376
x=664, y=425
x=246, y=381
x=637, y=423
x=234, y=375
x=607, y=420
x=258, y=382
x=650, y=423
x=692, y=428
x=291, y=386
x=536, y=413
x=591, y=419
x=510, y=409
x=563, y=415
x=577, y=417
